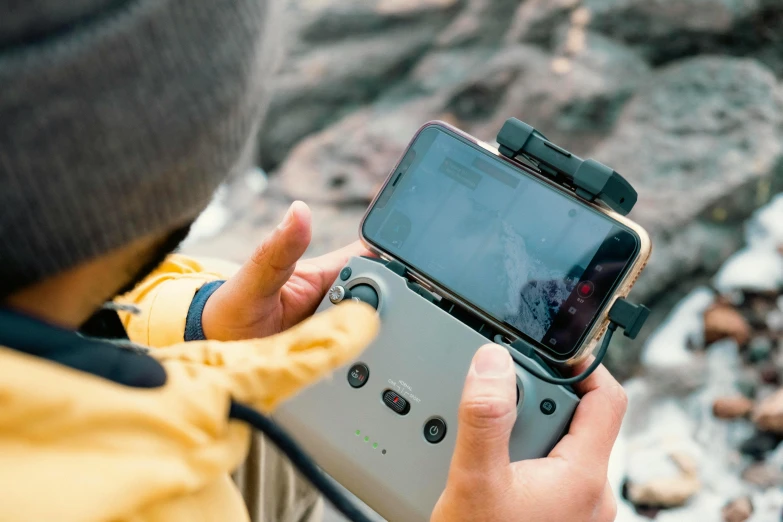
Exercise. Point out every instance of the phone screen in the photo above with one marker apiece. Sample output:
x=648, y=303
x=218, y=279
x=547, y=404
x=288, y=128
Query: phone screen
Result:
x=505, y=242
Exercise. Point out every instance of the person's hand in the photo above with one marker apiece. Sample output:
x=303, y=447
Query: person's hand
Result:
x=274, y=290
x=570, y=484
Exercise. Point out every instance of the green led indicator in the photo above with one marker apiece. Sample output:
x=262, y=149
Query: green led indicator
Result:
x=374, y=445
x=366, y=439
x=358, y=432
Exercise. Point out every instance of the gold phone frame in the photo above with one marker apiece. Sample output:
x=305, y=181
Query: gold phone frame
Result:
x=600, y=324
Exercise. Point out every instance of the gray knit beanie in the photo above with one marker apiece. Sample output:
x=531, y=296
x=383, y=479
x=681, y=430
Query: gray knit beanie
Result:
x=118, y=119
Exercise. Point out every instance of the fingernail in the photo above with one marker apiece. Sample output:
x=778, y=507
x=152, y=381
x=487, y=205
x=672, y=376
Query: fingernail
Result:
x=289, y=216
x=491, y=360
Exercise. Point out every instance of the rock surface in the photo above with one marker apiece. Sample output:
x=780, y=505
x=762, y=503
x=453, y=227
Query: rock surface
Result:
x=739, y=510
x=701, y=142
x=763, y=475
x=731, y=407
x=722, y=321
x=327, y=74
x=768, y=415
x=329, y=167
x=667, y=31
x=668, y=491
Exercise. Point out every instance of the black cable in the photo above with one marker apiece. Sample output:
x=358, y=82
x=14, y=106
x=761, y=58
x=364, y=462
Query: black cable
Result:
x=299, y=459
x=559, y=380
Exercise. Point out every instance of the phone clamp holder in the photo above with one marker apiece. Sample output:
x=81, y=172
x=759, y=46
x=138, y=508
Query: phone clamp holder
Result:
x=589, y=179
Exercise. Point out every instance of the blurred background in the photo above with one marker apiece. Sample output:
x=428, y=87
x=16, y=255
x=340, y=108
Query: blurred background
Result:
x=682, y=97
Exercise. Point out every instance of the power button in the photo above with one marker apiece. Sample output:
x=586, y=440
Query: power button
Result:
x=434, y=430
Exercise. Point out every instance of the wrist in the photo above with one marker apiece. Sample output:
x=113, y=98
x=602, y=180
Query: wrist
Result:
x=194, y=323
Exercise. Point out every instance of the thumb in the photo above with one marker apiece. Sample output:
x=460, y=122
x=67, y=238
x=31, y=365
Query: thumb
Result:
x=487, y=413
x=273, y=262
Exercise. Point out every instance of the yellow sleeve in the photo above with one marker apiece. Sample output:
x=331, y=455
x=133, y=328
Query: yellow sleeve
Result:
x=115, y=452
x=265, y=372
x=164, y=298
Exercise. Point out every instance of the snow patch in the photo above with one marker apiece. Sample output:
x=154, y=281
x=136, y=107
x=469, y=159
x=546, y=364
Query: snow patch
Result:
x=256, y=180
x=668, y=346
x=765, y=228
x=754, y=268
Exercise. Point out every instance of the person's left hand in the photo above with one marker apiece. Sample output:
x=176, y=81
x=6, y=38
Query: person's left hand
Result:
x=274, y=290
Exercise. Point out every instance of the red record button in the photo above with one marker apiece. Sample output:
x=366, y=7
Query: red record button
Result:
x=585, y=289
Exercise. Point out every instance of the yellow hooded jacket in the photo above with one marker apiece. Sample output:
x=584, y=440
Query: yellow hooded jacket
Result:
x=79, y=447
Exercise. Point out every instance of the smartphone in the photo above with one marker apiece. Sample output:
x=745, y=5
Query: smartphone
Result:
x=505, y=242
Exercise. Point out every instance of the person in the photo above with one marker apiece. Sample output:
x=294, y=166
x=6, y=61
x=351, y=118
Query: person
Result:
x=119, y=360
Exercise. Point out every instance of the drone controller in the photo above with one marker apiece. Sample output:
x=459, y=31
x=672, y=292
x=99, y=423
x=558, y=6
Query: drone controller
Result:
x=384, y=426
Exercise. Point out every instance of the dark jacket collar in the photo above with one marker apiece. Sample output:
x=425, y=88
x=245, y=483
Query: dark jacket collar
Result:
x=95, y=356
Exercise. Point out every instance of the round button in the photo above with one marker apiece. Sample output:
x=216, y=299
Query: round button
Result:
x=337, y=294
x=548, y=406
x=345, y=273
x=434, y=430
x=358, y=375
x=585, y=289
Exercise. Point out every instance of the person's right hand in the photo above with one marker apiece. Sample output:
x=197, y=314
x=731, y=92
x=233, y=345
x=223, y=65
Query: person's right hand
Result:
x=568, y=485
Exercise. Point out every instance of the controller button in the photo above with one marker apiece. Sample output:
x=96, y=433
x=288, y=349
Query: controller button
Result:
x=394, y=401
x=337, y=294
x=434, y=430
x=548, y=406
x=345, y=273
x=358, y=375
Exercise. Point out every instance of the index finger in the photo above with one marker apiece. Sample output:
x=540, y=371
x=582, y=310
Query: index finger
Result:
x=596, y=423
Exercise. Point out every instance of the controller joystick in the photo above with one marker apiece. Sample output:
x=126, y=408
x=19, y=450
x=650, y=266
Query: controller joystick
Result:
x=361, y=292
